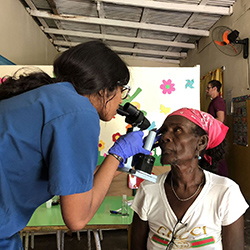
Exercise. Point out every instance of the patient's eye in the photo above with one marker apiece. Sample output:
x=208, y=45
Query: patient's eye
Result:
x=177, y=129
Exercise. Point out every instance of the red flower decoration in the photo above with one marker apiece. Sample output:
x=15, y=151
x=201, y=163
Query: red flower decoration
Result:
x=115, y=136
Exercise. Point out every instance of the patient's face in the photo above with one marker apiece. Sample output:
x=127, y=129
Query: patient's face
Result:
x=178, y=141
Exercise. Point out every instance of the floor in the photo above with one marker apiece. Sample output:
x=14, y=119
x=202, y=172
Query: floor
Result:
x=112, y=239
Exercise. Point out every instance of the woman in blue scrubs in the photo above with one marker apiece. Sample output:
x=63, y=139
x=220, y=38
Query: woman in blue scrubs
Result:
x=49, y=135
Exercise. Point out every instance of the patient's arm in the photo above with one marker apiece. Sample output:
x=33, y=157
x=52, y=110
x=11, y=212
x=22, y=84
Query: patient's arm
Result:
x=233, y=235
x=138, y=234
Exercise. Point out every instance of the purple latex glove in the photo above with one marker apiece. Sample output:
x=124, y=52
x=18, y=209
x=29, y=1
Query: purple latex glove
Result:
x=129, y=145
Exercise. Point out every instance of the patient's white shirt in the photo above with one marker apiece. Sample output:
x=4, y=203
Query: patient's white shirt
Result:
x=220, y=203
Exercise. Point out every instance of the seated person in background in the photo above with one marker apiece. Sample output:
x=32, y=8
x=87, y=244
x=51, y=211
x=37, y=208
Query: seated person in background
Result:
x=188, y=206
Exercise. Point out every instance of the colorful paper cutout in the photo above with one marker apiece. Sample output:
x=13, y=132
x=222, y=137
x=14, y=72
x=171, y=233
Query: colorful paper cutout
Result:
x=2, y=80
x=164, y=109
x=151, y=126
x=101, y=145
x=131, y=98
x=190, y=84
x=115, y=136
x=167, y=87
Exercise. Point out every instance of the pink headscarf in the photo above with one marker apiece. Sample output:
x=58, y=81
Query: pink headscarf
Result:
x=215, y=129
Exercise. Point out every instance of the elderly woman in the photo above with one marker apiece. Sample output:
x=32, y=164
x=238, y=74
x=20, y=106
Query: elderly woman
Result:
x=189, y=207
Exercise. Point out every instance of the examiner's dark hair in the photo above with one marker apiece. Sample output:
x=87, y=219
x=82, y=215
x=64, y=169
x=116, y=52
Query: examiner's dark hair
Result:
x=89, y=67
x=216, y=153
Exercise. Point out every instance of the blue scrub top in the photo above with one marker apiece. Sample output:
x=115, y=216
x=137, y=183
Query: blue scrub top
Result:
x=48, y=146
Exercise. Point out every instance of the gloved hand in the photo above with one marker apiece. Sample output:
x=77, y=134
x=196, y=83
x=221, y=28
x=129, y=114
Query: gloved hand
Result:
x=128, y=145
x=155, y=145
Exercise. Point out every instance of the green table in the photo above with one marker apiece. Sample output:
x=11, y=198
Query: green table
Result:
x=50, y=220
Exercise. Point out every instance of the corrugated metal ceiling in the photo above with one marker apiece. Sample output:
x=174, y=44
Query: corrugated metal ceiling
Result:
x=152, y=30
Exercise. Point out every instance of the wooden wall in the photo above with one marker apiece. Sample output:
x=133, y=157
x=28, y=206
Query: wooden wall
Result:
x=238, y=159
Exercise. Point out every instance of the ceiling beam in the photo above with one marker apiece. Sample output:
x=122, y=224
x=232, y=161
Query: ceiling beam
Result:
x=52, y=5
x=101, y=14
x=150, y=52
x=144, y=15
x=129, y=50
x=174, y=6
x=41, y=20
x=119, y=38
x=118, y=23
x=151, y=59
x=189, y=21
x=124, y=57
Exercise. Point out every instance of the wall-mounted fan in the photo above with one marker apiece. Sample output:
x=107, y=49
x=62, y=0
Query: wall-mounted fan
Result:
x=228, y=41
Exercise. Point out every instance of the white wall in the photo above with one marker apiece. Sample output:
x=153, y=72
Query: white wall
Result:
x=236, y=74
x=22, y=41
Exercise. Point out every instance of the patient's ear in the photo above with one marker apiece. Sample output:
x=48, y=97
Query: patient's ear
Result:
x=202, y=144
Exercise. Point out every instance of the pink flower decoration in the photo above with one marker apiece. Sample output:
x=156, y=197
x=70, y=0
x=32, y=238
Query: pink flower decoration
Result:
x=2, y=80
x=167, y=87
